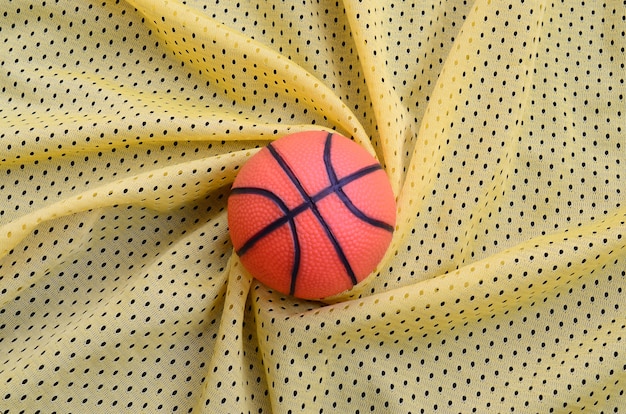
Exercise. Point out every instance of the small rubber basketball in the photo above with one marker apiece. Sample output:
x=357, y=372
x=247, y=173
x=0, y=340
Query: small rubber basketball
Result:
x=311, y=214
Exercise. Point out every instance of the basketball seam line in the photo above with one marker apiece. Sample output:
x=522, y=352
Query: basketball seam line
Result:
x=276, y=224
x=333, y=240
x=332, y=176
x=288, y=216
x=291, y=214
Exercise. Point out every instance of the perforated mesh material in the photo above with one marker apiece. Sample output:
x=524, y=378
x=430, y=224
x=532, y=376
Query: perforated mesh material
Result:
x=499, y=124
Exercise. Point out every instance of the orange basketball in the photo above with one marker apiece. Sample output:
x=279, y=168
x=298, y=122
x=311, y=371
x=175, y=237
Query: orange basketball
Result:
x=311, y=214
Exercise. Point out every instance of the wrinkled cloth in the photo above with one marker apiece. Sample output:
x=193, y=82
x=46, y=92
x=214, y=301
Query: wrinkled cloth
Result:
x=499, y=124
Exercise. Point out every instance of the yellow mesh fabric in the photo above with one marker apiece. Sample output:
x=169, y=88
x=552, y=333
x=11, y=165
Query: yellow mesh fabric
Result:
x=499, y=124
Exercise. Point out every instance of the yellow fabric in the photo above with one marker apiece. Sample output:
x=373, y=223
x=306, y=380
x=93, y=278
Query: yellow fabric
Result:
x=500, y=125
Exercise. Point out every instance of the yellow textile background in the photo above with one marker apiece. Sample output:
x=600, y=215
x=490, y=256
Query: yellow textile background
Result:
x=500, y=125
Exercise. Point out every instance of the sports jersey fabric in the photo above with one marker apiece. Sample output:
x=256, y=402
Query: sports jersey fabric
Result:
x=500, y=125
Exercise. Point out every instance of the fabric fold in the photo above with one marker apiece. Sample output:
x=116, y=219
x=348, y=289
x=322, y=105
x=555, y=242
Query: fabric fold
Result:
x=268, y=70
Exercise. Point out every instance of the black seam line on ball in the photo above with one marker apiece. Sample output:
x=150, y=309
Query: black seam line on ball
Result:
x=307, y=198
x=337, y=187
x=289, y=215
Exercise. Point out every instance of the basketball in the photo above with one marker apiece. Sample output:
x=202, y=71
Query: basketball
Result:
x=311, y=214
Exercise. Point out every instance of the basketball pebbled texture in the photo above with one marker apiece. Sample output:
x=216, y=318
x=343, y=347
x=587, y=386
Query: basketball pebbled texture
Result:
x=311, y=214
